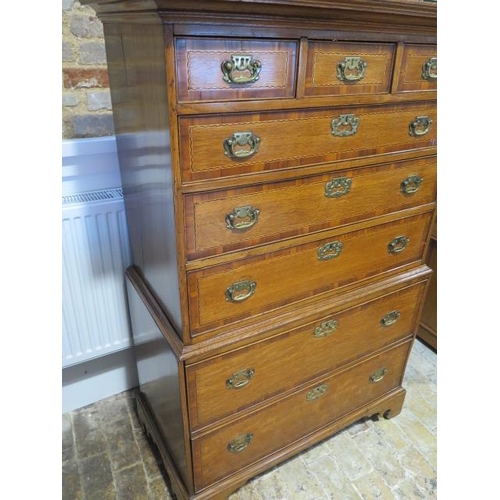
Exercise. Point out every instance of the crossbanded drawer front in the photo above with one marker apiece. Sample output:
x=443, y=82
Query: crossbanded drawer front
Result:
x=418, y=68
x=224, y=293
x=223, y=385
x=229, y=220
x=342, y=68
x=231, y=145
x=234, y=69
x=257, y=435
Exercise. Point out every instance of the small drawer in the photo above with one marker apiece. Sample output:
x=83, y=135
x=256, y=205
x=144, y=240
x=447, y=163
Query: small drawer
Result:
x=223, y=294
x=219, y=70
x=214, y=146
x=223, y=385
x=257, y=435
x=418, y=69
x=335, y=68
x=218, y=222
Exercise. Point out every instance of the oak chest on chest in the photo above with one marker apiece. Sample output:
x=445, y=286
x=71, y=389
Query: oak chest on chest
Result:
x=278, y=161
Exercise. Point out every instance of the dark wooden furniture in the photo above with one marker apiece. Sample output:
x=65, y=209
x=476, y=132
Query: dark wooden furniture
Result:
x=278, y=162
x=427, y=329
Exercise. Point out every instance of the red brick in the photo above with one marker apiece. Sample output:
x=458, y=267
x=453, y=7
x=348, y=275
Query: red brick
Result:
x=75, y=78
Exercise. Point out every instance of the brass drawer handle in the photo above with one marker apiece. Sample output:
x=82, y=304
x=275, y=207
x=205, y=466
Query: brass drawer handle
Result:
x=390, y=318
x=242, y=218
x=339, y=124
x=411, y=184
x=398, y=244
x=317, y=392
x=326, y=328
x=351, y=70
x=330, y=250
x=240, y=379
x=238, y=444
x=338, y=187
x=240, y=291
x=241, y=69
x=420, y=126
x=430, y=68
x=378, y=375
x=241, y=145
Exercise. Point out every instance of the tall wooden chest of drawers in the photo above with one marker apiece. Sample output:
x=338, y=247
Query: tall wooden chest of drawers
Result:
x=278, y=161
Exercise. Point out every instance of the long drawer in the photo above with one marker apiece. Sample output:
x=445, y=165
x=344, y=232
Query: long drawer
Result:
x=259, y=434
x=228, y=383
x=231, y=145
x=225, y=293
x=232, y=219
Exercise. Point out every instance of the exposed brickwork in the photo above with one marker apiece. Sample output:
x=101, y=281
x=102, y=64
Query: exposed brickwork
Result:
x=99, y=99
x=91, y=125
x=76, y=78
x=86, y=101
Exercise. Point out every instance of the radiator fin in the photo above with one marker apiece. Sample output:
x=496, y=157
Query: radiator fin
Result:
x=93, y=196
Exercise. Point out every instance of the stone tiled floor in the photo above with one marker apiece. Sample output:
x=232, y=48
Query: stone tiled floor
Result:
x=105, y=455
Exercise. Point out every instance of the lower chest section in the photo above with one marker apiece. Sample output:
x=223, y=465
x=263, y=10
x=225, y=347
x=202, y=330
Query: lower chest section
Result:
x=279, y=425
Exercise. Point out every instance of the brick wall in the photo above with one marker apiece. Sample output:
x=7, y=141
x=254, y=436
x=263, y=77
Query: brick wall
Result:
x=86, y=101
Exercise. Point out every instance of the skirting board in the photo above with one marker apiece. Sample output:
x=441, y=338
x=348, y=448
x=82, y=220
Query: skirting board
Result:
x=97, y=379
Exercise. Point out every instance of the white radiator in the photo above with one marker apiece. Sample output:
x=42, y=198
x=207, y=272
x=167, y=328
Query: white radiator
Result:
x=95, y=254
